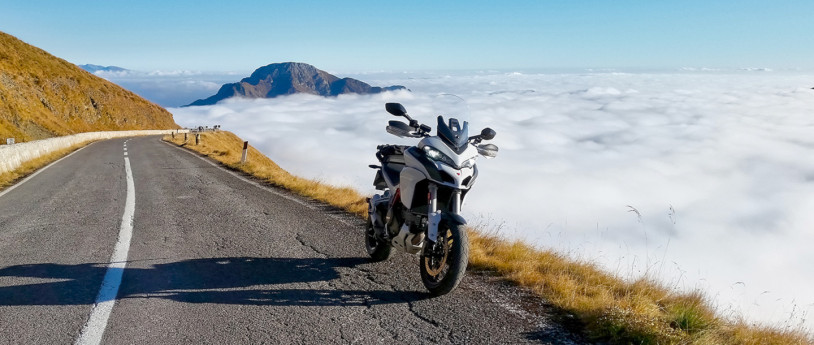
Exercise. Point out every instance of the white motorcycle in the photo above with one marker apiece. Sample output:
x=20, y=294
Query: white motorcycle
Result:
x=424, y=187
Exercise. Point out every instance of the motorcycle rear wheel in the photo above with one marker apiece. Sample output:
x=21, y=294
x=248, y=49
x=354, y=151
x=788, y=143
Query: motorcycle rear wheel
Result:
x=377, y=249
x=443, y=263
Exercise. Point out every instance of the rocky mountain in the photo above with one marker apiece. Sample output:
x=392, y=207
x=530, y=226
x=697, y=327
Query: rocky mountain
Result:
x=287, y=78
x=42, y=96
x=97, y=68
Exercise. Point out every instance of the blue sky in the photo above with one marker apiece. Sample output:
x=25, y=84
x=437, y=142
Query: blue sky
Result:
x=356, y=36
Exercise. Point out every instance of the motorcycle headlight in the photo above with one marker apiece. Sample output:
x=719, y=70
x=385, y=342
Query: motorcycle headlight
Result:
x=438, y=156
x=469, y=163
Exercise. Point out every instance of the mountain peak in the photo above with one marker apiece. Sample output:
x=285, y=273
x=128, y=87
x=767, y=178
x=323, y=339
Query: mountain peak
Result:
x=288, y=78
x=99, y=68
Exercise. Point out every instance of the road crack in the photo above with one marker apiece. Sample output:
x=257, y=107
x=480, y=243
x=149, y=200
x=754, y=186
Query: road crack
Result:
x=314, y=249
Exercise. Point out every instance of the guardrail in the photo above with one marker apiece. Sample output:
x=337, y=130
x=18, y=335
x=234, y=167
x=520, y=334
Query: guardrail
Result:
x=199, y=129
x=12, y=156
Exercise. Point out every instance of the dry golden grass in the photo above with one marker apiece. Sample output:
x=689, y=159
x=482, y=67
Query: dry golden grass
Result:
x=42, y=96
x=616, y=310
x=29, y=167
x=610, y=309
x=226, y=148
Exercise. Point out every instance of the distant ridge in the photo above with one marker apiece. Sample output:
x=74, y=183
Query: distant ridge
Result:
x=288, y=78
x=97, y=68
x=42, y=96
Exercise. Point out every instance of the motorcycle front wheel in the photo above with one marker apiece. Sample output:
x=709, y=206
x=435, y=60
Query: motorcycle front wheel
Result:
x=444, y=261
x=377, y=249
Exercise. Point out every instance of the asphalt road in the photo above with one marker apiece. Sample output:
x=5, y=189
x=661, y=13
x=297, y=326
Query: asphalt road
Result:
x=215, y=258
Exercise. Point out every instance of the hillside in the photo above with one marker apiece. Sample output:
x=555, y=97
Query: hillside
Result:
x=287, y=78
x=43, y=96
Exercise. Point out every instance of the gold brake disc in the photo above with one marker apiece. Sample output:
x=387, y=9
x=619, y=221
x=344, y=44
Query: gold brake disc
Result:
x=447, y=245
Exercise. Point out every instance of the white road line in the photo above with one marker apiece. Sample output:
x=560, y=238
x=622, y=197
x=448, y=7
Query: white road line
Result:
x=9, y=189
x=95, y=327
x=254, y=183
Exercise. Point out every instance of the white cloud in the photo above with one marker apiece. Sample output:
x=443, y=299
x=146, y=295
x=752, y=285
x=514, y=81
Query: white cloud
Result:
x=173, y=73
x=718, y=166
x=113, y=74
x=170, y=88
x=757, y=69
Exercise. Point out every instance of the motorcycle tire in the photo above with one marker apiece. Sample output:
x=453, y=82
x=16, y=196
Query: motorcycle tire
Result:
x=378, y=250
x=443, y=263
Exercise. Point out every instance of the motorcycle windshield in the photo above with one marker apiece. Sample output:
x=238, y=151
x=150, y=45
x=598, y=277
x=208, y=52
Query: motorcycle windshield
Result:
x=455, y=131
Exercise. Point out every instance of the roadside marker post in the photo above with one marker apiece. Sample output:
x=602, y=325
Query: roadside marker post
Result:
x=245, y=151
x=197, y=138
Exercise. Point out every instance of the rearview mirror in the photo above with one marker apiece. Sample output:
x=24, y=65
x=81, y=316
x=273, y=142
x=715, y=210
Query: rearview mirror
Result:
x=488, y=133
x=395, y=109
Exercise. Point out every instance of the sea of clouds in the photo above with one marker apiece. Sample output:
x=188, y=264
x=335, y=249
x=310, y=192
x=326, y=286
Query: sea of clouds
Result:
x=170, y=88
x=701, y=179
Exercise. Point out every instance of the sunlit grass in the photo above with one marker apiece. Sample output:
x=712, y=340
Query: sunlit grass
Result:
x=42, y=96
x=226, y=148
x=610, y=309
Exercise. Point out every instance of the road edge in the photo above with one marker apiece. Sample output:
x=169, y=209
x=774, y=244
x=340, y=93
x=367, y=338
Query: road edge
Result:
x=38, y=171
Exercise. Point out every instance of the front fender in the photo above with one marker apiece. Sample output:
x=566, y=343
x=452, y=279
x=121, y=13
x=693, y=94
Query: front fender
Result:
x=453, y=218
x=435, y=219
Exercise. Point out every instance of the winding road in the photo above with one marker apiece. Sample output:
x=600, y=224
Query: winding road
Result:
x=135, y=241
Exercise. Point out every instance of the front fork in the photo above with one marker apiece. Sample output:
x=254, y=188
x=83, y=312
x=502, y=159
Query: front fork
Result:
x=434, y=215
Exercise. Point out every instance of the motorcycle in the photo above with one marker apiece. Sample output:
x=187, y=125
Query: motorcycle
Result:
x=423, y=188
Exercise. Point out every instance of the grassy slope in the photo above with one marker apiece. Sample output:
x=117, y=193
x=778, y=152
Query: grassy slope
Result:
x=611, y=309
x=42, y=96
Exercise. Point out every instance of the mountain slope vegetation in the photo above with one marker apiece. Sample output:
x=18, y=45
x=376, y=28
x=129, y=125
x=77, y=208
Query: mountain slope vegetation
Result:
x=42, y=96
